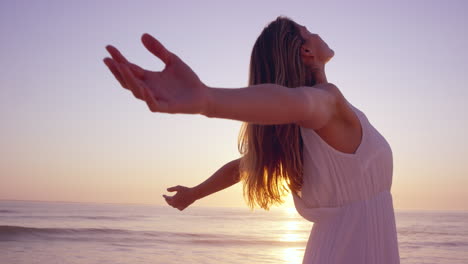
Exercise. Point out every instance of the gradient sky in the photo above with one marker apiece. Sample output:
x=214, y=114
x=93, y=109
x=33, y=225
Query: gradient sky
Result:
x=70, y=133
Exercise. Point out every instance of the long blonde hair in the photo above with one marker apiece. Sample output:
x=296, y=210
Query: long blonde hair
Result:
x=272, y=155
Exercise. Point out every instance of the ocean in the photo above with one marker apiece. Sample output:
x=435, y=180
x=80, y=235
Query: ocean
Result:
x=78, y=233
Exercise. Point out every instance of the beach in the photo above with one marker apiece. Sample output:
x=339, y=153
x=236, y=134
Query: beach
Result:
x=60, y=232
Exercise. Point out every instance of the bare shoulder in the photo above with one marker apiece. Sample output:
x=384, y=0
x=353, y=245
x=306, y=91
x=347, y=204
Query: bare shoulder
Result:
x=336, y=110
x=344, y=109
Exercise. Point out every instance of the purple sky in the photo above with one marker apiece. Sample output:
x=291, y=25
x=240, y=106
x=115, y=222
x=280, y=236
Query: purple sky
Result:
x=70, y=133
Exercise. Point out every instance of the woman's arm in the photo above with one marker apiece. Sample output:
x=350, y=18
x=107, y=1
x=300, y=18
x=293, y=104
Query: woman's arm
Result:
x=272, y=104
x=223, y=178
x=177, y=89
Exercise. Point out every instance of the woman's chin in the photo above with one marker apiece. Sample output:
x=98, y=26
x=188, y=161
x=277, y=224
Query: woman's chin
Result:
x=332, y=54
x=329, y=58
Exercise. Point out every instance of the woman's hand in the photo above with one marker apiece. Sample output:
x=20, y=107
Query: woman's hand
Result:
x=176, y=89
x=182, y=199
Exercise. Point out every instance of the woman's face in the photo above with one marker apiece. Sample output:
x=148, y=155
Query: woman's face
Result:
x=314, y=51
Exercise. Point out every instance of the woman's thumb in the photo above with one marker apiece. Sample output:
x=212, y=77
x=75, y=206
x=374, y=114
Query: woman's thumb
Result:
x=174, y=188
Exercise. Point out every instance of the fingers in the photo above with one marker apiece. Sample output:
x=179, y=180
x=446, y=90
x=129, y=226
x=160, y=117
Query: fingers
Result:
x=116, y=55
x=174, y=189
x=119, y=58
x=113, y=67
x=150, y=101
x=170, y=201
x=139, y=89
x=177, y=201
x=131, y=81
x=155, y=47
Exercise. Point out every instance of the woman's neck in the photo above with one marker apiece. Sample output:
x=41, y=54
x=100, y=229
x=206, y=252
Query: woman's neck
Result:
x=318, y=74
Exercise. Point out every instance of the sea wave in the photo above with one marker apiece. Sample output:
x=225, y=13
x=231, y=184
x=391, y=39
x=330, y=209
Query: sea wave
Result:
x=78, y=217
x=23, y=230
x=8, y=233
x=5, y=211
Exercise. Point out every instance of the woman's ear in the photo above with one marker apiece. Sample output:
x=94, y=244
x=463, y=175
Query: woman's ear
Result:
x=306, y=52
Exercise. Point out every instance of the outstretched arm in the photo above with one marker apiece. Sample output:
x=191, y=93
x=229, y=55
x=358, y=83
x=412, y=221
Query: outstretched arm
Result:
x=223, y=178
x=272, y=104
x=177, y=89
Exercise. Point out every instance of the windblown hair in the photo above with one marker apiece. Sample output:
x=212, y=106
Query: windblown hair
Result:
x=272, y=155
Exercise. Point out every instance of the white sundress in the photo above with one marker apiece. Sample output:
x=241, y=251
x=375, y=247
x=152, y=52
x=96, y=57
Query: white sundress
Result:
x=347, y=197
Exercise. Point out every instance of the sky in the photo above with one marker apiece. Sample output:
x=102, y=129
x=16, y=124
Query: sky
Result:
x=69, y=132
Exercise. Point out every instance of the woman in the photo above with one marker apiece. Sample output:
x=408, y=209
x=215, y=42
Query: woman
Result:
x=299, y=135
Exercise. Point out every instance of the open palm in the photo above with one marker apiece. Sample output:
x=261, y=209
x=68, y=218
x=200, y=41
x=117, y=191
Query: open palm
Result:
x=184, y=197
x=176, y=89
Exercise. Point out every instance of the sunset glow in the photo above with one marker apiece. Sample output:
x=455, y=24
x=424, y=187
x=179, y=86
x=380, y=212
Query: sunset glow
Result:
x=71, y=133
